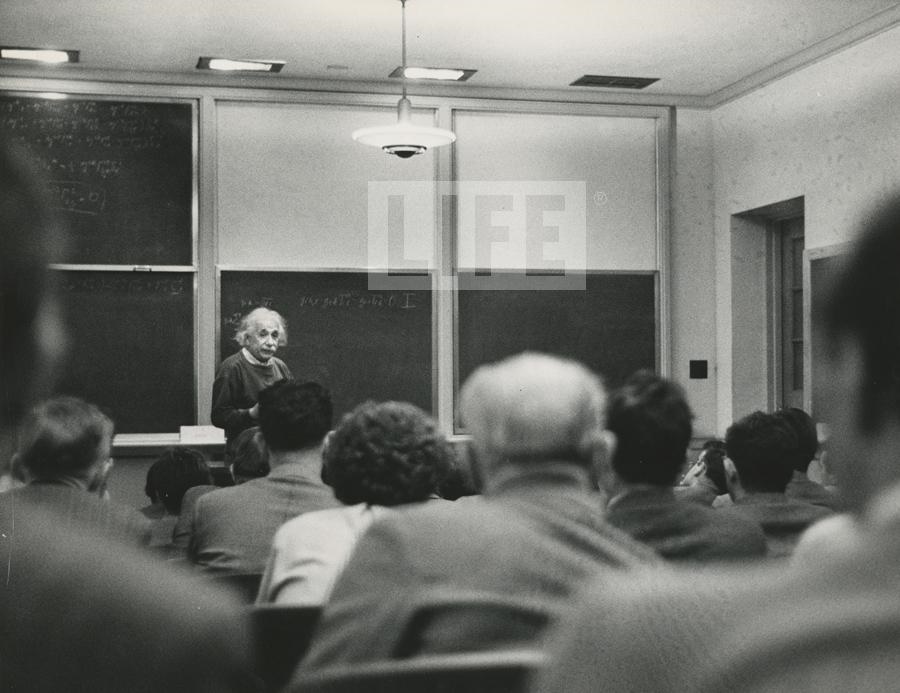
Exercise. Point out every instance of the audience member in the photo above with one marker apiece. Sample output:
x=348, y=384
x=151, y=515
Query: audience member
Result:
x=380, y=456
x=704, y=482
x=534, y=535
x=828, y=626
x=65, y=452
x=80, y=613
x=652, y=423
x=250, y=460
x=801, y=486
x=175, y=472
x=232, y=528
x=759, y=465
x=243, y=375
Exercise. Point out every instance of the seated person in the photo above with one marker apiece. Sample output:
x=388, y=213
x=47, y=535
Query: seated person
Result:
x=65, y=449
x=801, y=486
x=757, y=469
x=232, y=528
x=169, y=478
x=80, y=613
x=827, y=626
x=704, y=482
x=534, y=535
x=250, y=460
x=380, y=456
x=652, y=424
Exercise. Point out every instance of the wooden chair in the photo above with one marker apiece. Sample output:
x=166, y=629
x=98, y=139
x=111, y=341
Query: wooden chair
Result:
x=479, y=672
x=280, y=636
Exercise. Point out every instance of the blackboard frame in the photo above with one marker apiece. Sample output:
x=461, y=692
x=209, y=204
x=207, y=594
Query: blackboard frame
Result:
x=517, y=277
x=94, y=96
x=430, y=275
x=812, y=257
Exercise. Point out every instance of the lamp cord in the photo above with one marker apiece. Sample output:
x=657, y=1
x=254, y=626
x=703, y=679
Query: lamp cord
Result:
x=403, y=43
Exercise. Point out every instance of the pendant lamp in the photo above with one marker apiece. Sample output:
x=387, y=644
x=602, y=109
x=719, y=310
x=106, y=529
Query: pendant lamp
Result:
x=404, y=139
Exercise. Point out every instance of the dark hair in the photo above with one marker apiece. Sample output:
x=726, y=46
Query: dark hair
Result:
x=652, y=422
x=173, y=473
x=385, y=454
x=29, y=239
x=294, y=415
x=863, y=305
x=807, y=437
x=760, y=446
x=250, y=457
x=714, y=460
x=63, y=436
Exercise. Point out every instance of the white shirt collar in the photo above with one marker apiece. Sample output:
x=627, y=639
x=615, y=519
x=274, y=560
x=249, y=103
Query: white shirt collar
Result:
x=252, y=359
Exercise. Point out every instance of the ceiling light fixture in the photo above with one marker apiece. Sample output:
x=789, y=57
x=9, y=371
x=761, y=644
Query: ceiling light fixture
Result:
x=228, y=65
x=41, y=55
x=404, y=139
x=447, y=74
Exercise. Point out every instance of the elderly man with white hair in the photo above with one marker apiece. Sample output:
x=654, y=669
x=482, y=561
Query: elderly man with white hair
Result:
x=243, y=375
x=427, y=578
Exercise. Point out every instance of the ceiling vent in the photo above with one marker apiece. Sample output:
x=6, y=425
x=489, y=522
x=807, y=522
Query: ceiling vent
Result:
x=611, y=82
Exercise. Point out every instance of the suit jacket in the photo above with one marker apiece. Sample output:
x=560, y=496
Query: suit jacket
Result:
x=802, y=488
x=827, y=627
x=76, y=507
x=681, y=530
x=78, y=613
x=783, y=519
x=536, y=537
x=232, y=528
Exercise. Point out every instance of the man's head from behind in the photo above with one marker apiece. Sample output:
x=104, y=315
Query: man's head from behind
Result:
x=66, y=437
x=759, y=449
x=532, y=407
x=294, y=416
x=651, y=420
x=807, y=437
x=859, y=381
x=31, y=337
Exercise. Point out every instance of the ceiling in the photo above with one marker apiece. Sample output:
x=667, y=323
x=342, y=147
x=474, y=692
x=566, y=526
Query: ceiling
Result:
x=697, y=48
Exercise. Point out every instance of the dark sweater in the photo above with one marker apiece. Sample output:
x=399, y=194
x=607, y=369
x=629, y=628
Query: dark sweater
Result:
x=236, y=389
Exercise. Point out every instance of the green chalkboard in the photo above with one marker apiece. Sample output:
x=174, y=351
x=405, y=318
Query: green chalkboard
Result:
x=358, y=341
x=119, y=172
x=131, y=346
x=609, y=324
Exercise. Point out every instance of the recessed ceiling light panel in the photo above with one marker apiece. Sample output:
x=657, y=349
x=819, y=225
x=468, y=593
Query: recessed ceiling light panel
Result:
x=448, y=74
x=229, y=65
x=40, y=55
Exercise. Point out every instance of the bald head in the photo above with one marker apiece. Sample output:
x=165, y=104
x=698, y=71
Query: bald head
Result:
x=531, y=407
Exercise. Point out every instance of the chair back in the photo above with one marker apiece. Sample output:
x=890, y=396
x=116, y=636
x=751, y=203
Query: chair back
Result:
x=476, y=672
x=280, y=635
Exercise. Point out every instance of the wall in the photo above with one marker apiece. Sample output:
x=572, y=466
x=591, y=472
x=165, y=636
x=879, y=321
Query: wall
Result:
x=693, y=281
x=828, y=132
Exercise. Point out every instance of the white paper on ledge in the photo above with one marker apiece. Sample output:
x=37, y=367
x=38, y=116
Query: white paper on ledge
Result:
x=202, y=435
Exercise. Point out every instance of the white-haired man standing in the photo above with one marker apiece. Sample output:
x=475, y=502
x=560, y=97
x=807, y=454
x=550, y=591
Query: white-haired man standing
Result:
x=243, y=375
x=536, y=421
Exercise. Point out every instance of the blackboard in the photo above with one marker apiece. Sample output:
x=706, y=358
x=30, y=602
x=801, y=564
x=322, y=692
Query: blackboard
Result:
x=119, y=172
x=360, y=343
x=822, y=273
x=131, y=346
x=610, y=325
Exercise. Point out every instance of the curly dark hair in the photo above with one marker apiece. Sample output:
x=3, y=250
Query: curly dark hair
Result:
x=386, y=453
x=652, y=422
x=173, y=473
